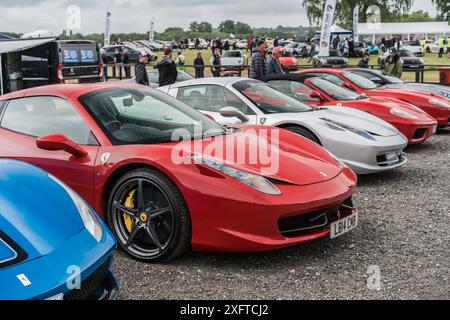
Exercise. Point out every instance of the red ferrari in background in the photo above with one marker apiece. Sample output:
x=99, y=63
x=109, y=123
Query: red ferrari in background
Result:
x=164, y=183
x=413, y=122
x=288, y=61
x=435, y=106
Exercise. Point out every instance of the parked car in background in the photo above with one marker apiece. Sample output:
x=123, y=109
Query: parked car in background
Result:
x=434, y=48
x=360, y=49
x=152, y=45
x=288, y=61
x=153, y=77
x=334, y=60
x=233, y=59
x=410, y=61
x=241, y=44
x=372, y=48
x=138, y=47
x=389, y=81
x=110, y=53
x=414, y=123
x=414, y=47
x=363, y=142
x=435, y=106
x=302, y=50
x=54, y=249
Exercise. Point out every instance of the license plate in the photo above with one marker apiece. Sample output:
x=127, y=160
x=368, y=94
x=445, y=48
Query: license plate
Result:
x=74, y=81
x=344, y=226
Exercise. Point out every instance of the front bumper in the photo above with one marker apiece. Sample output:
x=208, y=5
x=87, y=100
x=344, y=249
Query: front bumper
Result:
x=253, y=221
x=80, y=262
x=416, y=133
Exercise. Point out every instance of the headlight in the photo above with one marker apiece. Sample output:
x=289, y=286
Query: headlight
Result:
x=252, y=180
x=402, y=113
x=402, y=61
x=439, y=103
x=422, y=61
x=341, y=127
x=89, y=218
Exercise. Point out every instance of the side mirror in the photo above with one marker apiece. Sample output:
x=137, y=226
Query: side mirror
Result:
x=58, y=142
x=316, y=95
x=232, y=112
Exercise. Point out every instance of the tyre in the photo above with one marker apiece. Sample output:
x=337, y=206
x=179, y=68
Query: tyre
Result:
x=148, y=216
x=428, y=50
x=304, y=133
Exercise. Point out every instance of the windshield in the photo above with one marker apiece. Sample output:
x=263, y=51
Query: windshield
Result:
x=268, y=99
x=359, y=81
x=334, y=91
x=232, y=54
x=286, y=54
x=415, y=43
x=131, y=115
x=292, y=45
x=406, y=53
x=390, y=78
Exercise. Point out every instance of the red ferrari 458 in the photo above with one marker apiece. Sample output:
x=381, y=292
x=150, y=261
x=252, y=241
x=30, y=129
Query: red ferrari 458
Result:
x=435, y=106
x=167, y=178
x=413, y=122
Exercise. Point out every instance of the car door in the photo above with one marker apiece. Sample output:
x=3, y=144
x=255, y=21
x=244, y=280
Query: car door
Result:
x=210, y=99
x=23, y=120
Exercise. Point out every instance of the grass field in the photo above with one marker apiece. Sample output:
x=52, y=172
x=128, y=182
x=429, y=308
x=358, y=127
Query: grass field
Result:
x=430, y=59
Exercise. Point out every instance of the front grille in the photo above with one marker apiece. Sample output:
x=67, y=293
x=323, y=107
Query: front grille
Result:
x=389, y=159
x=313, y=222
x=91, y=285
x=419, y=134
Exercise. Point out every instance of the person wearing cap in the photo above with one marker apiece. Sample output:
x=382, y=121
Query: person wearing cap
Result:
x=274, y=65
x=258, y=68
x=364, y=63
x=168, y=72
x=393, y=64
x=141, y=71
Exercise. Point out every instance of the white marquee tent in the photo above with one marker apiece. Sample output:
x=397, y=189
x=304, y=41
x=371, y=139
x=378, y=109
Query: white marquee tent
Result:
x=405, y=29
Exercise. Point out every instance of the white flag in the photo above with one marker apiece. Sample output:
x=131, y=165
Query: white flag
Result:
x=327, y=22
x=355, y=23
x=108, y=28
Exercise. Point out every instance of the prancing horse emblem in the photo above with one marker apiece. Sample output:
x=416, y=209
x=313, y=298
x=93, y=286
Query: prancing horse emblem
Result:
x=105, y=157
x=263, y=120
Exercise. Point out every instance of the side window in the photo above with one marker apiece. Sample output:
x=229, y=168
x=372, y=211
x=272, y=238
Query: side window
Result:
x=211, y=98
x=294, y=89
x=39, y=116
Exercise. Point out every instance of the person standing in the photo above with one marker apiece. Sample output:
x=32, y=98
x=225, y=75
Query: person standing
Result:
x=274, y=65
x=167, y=68
x=258, y=67
x=118, y=62
x=336, y=41
x=441, y=44
x=141, y=71
x=104, y=65
x=226, y=46
x=181, y=61
x=197, y=43
x=276, y=42
x=215, y=63
x=351, y=47
x=199, y=65
x=393, y=64
x=364, y=63
x=126, y=64
x=313, y=51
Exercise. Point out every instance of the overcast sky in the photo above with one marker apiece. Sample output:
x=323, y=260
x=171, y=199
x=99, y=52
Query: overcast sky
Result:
x=23, y=16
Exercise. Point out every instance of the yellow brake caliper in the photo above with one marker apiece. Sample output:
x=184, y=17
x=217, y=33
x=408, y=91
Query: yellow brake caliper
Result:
x=129, y=203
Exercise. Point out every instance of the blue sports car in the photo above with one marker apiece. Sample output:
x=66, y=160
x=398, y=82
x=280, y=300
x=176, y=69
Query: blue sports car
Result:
x=52, y=244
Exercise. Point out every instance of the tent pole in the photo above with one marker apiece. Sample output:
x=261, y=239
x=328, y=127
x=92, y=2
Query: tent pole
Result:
x=1, y=74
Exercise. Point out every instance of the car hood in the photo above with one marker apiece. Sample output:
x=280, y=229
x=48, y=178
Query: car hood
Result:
x=441, y=91
x=35, y=212
x=280, y=154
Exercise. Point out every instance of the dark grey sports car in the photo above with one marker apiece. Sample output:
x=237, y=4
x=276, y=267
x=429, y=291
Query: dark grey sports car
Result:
x=334, y=60
x=410, y=61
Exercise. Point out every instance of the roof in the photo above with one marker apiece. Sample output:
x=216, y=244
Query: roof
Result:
x=204, y=81
x=405, y=28
x=5, y=37
x=298, y=77
x=16, y=45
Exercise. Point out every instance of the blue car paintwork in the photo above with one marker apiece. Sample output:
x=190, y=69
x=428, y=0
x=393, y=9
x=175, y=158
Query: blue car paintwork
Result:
x=38, y=215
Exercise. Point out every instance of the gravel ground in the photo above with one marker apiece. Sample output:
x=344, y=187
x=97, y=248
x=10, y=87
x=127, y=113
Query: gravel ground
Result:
x=404, y=234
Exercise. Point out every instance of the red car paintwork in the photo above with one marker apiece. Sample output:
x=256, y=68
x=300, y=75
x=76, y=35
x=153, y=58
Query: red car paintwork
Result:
x=419, y=99
x=380, y=107
x=288, y=61
x=226, y=215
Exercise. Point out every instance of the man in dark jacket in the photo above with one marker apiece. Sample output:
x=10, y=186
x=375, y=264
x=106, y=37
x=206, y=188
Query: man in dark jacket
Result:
x=168, y=72
x=141, y=71
x=259, y=68
x=364, y=63
x=274, y=65
x=199, y=66
x=215, y=61
x=126, y=62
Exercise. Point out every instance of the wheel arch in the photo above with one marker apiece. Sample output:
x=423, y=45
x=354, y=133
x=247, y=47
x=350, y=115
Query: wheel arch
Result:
x=298, y=125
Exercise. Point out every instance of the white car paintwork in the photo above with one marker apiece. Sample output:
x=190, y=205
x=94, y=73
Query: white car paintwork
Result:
x=356, y=151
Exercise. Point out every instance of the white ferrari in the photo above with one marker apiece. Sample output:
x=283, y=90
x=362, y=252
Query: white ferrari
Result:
x=363, y=142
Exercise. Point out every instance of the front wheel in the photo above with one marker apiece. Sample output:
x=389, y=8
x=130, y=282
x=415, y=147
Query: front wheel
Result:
x=149, y=217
